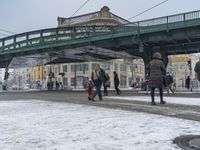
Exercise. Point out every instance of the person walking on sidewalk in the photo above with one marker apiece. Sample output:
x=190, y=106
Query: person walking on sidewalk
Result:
x=98, y=77
x=116, y=83
x=106, y=84
x=197, y=70
x=169, y=82
x=156, y=71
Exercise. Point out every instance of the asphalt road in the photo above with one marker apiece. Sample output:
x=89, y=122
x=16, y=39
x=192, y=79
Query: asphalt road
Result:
x=78, y=97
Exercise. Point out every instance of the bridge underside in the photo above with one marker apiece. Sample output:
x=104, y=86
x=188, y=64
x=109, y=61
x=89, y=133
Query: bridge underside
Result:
x=83, y=54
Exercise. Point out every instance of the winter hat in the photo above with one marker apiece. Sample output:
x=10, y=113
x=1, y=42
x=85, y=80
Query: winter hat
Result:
x=157, y=55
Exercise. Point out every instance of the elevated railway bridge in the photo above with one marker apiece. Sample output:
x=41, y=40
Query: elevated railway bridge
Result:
x=176, y=34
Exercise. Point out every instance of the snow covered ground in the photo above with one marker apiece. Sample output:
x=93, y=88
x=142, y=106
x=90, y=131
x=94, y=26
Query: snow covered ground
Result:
x=42, y=125
x=174, y=100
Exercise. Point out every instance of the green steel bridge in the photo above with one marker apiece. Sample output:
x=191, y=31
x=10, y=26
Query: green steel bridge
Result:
x=176, y=34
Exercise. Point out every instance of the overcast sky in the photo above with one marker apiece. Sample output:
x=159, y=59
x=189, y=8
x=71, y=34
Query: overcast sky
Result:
x=27, y=15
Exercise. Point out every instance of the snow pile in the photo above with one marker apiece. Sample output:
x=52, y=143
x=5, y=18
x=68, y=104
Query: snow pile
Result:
x=39, y=125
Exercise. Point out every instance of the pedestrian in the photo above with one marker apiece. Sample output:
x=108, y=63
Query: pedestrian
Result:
x=48, y=85
x=106, y=84
x=187, y=82
x=197, y=70
x=174, y=85
x=169, y=82
x=98, y=77
x=57, y=85
x=89, y=89
x=156, y=71
x=142, y=85
x=147, y=89
x=116, y=83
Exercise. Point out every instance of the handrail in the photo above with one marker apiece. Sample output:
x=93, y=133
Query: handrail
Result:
x=185, y=16
x=67, y=32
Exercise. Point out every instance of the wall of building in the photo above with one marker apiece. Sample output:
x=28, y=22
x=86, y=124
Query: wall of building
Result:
x=76, y=74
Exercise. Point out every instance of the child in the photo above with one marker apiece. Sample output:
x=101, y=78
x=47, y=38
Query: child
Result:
x=89, y=89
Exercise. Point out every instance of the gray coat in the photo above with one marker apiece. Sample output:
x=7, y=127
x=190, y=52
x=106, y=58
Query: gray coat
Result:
x=197, y=69
x=156, y=70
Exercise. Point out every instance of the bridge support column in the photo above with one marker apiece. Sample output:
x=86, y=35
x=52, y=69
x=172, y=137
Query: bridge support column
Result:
x=165, y=59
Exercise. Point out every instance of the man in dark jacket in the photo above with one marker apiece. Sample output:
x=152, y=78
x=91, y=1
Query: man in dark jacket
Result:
x=106, y=84
x=169, y=81
x=156, y=71
x=187, y=82
x=98, y=77
x=197, y=70
x=116, y=83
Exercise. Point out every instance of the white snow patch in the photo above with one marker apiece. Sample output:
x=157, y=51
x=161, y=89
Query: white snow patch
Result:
x=42, y=125
x=174, y=100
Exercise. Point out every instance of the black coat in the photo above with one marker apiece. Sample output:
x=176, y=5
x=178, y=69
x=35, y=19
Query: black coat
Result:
x=187, y=82
x=116, y=80
x=156, y=70
x=197, y=69
x=169, y=79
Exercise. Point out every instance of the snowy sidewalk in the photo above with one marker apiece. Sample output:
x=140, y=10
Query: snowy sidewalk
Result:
x=172, y=100
x=39, y=125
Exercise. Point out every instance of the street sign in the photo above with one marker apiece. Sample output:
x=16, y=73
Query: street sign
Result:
x=180, y=59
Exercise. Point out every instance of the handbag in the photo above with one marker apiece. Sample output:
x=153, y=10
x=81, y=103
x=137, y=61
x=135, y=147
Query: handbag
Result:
x=164, y=81
x=107, y=83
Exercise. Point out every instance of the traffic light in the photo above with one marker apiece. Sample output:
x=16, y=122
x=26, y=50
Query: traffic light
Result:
x=190, y=64
x=6, y=75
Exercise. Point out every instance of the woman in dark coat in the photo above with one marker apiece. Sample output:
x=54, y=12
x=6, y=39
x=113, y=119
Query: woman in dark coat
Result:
x=156, y=71
x=197, y=70
x=116, y=83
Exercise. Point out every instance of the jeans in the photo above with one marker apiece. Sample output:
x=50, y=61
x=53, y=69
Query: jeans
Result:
x=98, y=90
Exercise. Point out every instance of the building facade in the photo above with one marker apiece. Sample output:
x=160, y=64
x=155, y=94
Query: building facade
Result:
x=73, y=75
x=180, y=68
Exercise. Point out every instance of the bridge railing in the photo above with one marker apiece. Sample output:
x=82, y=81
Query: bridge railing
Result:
x=167, y=19
x=77, y=32
x=51, y=35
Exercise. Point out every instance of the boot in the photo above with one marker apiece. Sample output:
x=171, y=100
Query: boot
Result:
x=163, y=102
x=153, y=103
x=92, y=99
x=152, y=99
x=100, y=98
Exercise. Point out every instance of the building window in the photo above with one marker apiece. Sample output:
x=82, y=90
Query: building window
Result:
x=123, y=81
x=73, y=68
x=65, y=68
x=79, y=67
x=85, y=67
x=123, y=67
x=65, y=82
x=116, y=67
x=78, y=81
x=93, y=66
x=72, y=81
x=106, y=66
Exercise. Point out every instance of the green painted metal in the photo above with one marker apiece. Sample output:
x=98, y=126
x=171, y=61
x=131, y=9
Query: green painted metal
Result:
x=71, y=37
